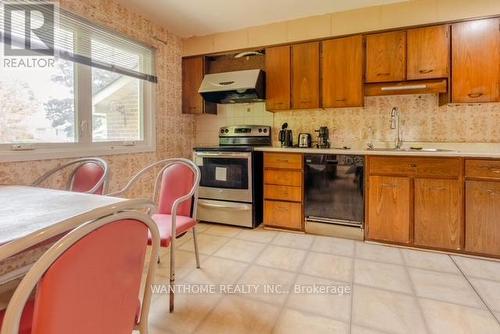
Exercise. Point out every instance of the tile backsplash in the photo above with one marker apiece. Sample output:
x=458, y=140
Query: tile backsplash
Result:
x=422, y=120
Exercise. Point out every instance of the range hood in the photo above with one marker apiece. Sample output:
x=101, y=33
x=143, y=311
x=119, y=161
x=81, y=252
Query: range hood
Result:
x=233, y=87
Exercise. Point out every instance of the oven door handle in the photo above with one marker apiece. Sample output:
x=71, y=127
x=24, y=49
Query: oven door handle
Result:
x=223, y=155
x=238, y=207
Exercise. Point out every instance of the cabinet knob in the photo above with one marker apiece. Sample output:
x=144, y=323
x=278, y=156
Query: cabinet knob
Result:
x=475, y=95
x=426, y=71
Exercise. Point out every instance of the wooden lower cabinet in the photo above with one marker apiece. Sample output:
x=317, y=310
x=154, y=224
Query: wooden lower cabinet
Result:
x=284, y=190
x=438, y=213
x=482, y=212
x=283, y=214
x=389, y=208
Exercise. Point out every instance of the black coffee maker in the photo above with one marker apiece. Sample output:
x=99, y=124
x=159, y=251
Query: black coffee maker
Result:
x=323, y=137
x=286, y=136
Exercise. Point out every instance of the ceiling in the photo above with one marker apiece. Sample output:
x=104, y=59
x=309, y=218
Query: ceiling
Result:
x=202, y=17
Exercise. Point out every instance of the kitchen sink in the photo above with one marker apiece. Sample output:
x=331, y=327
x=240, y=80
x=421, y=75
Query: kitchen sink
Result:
x=382, y=149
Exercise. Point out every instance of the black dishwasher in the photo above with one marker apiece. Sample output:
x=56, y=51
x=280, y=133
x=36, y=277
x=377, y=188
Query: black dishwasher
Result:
x=334, y=189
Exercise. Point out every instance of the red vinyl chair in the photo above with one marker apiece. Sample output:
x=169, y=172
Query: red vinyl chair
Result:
x=176, y=195
x=89, y=175
x=89, y=281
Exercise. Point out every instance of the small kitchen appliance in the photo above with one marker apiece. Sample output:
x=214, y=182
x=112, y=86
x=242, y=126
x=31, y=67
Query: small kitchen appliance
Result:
x=286, y=136
x=305, y=140
x=323, y=137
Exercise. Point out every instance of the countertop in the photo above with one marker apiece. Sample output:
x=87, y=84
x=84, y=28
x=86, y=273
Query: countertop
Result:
x=469, y=150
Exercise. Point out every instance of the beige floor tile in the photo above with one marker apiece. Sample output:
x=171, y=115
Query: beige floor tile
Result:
x=190, y=310
x=479, y=268
x=185, y=262
x=386, y=311
x=380, y=253
x=429, y=260
x=446, y=287
x=293, y=240
x=241, y=250
x=257, y=235
x=239, y=315
x=332, y=245
x=217, y=271
x=223, y=230
x=266, y=279
x=489, y=291
x=328, y=266
x=281, y=258
x=200, y=227
x=444, y=317
x=207, y=244
x=336, y=306
x=382, y=275
x=292, y=321
x=363, y=330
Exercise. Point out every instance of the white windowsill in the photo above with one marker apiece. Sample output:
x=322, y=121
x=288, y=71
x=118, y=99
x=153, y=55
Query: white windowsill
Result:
x=73, y=152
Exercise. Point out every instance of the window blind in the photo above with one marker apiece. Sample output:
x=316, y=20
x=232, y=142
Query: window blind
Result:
x=74, y=38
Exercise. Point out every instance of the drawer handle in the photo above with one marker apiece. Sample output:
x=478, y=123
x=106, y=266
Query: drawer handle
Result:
x=492, y=192
x=383, y=74
x=388, y=185
x=475, y=95
x=494, y=170
x=426, y=71
x=438, y=188
x=283, y=160
x=340, y=100
x=413, y=165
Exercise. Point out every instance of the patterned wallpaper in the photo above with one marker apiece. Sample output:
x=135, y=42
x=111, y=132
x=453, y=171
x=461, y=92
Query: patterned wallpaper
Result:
x=174, y=131
x=422, y=120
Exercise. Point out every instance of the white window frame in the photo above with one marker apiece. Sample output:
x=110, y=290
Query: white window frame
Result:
x=83, y=145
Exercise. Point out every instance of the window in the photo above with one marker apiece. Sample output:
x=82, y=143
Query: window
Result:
x=94, y=96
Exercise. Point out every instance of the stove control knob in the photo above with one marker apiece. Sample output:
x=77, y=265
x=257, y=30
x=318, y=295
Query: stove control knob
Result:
x=265, y=130
x=226, y=131
x=221, y=130
x=260, y=130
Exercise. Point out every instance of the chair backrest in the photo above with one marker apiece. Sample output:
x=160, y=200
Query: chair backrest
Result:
x=86, y=177
x=90, y=175
x=177, y=180
x=89, y=281
x=176, y=184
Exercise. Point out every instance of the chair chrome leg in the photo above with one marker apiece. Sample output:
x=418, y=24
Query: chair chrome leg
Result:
x=172, y=276
x=196, y=253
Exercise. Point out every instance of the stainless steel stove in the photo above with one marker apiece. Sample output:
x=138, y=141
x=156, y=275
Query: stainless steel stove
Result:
x=231, y=176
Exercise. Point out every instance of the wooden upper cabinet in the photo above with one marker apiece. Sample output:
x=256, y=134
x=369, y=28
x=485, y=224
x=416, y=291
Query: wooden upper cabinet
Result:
x=305, y=76
x=278, y=77
x=342, y=72
x=476, y=61
x=193, y=69
x=428, y=52
x=386, y=57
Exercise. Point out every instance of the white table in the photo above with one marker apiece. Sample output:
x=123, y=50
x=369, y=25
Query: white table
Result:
x=29, y=216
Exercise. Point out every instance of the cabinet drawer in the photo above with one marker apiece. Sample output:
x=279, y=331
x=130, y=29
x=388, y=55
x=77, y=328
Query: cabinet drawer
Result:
x=483, y=168
x=283, y=214
x=409, y=166
x=283, y=160
x=285, y=193
x=283, y=177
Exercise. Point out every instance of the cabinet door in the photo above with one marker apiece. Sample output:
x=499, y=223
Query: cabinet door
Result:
x=278, y=78
x=386, y=57
x=428, y=52
x=193, y=69
x=438, y=208
x=286, y=215
x=389, y=209
x=476, y=61
x=305, y=76
x=482, y=224
x=342, y=72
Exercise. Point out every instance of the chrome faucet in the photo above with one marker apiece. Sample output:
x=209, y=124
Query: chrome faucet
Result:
x=395, y=115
